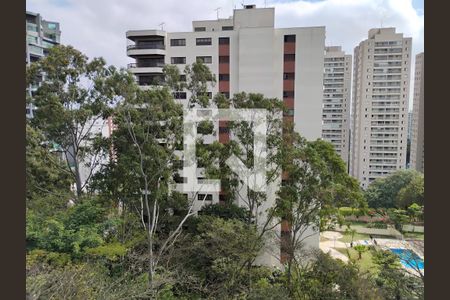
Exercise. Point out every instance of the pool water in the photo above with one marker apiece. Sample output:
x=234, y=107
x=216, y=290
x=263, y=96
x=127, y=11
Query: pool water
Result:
x=408, y=258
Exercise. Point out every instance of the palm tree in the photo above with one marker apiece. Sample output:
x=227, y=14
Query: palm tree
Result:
x=361, y=249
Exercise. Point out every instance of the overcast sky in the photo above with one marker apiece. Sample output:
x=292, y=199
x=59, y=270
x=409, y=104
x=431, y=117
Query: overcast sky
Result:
x=97, y=27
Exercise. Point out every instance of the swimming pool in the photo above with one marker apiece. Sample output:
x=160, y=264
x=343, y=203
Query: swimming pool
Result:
x=408, y=258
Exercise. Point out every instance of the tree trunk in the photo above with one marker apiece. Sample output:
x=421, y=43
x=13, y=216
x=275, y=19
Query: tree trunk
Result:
x=77, y=177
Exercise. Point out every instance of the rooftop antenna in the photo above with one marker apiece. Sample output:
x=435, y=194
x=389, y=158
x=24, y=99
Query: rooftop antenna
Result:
x=162, y=26
x=217, y=11
x=265, y=3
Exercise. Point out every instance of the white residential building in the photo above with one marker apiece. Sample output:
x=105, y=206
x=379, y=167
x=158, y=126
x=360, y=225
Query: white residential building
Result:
x=249, y=55
x=40, y=36
x=380, y=105
x=336, y=100
x=417, y=128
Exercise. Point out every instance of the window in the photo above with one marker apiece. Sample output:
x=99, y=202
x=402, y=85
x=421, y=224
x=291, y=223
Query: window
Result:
x=200, y=29
x=208, y=94
x=200, y=197
x=289, y=57
x=183, y=78
x=51, y=26
x=289, y=76
x=224, y=59
x=224, y=77
x=205, y=59
x=289, y=38
x=227, y=28
x=177, y=42
x=288, y=94
x=224, y=130
x=177, y=60
x=289, y=112
x=224, y=41
x=179, y=95
x=203, y=41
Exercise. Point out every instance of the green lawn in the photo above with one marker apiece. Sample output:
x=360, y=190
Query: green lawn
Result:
x=347, y=238
x=413, y=235
x=365, y=263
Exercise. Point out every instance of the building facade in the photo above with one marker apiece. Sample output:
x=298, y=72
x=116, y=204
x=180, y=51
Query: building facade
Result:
x=40, y=36
x=247, y=54
x=417, y=128
x=380, y=105
x=336, y=100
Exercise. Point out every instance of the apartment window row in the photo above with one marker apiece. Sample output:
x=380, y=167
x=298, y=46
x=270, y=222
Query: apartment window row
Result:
x=201, y=197
x=177, y=42
x=177, y=60
x=201, y=28
x=203, y=41
x=204, y=59
x=179, y=95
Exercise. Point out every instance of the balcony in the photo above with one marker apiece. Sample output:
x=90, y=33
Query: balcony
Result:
x=146, y=67
x=153, y=48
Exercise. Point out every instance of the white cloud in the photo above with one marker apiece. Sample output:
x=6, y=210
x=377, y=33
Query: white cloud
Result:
x=98, y=27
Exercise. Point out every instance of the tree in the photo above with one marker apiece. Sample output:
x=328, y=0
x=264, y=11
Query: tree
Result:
x=399, y=217
x=327, y=278
x=415, y=212
x=350, y=231
x=216, y=254
x=360, y=249
x=316, y=178
x=149, y=131
x=412, y=193
x=384, y=192
x=74, y=95
x=47, y=179
x=393, y=280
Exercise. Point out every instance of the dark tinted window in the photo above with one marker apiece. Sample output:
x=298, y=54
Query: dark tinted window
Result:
x=200, y=29
x=224, y=41
x=289, y=76
x=227, y=27
x=289, y=38
x=203, y=41
x=289, y=57
x=224, y=59
x=224, y=77
x=178, y=60
x=205, y=59
x=177, y=42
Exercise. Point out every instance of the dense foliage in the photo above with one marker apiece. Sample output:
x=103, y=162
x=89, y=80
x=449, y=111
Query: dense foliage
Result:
x=125, y=233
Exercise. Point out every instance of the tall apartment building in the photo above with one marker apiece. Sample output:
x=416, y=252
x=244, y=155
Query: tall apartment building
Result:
x=40, y=36
x=249, y=55
x=336, y=100
x=380, y=105
x=417, y=128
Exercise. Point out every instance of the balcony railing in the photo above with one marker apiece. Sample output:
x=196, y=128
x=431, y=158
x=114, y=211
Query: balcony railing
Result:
x=146, y=65
x=147, y=46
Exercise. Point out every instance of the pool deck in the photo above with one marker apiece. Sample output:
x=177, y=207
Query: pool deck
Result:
x=332, y=243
